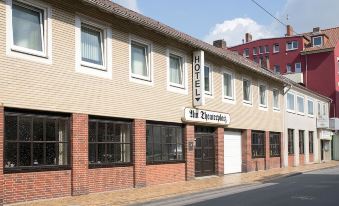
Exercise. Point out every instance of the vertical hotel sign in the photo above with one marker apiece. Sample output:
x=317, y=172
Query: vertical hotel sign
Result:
x=198, y=78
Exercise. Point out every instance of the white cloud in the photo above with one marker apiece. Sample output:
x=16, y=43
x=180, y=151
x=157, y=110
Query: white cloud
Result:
x=130, y=4
x=233, y=31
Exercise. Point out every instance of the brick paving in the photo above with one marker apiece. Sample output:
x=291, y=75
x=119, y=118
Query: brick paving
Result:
x=139, y=195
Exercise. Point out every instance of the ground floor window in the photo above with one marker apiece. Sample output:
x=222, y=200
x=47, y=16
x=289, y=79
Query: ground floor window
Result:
x=109, y=142
x=290, y=141
x=301, y=142
x=310, y=137
x=35, y=140
x=274, y=144
x=164, y=143
x=258, y=144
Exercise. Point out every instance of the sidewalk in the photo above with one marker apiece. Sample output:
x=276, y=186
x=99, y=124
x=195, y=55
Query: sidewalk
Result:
x=134, y=196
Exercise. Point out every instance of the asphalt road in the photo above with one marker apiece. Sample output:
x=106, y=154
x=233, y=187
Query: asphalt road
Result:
x=318, y=188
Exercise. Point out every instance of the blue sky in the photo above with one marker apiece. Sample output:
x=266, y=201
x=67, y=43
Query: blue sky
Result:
x=231, y=19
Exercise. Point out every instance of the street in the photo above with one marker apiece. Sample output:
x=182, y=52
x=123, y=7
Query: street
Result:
x=314, y=188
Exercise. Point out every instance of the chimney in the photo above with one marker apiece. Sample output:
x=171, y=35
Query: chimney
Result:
x=220, y=44
x=289, y=30
x=316, y=29
x=248, y=37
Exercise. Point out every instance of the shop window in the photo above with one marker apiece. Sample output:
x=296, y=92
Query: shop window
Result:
x=140, y=61
x=301, y=142
x=208, y=80
x=310, y=136
x=34, y=141
x=247, y=91
x=274, y=144
x=290, y=141
x=109, y=142
x=258, y=144
x=164, y=143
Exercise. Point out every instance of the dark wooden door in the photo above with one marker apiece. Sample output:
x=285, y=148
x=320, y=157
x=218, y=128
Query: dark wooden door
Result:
x=204, y=154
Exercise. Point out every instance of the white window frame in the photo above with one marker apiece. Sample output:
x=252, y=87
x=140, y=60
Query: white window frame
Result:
x=274, y=69
x=275, y=108
x=139, y=78
x=255, y=50
x=265, y=106
x=246, y=54
x=295, y=67
x=294, y=101
x=228, y=99
x=308, y=109
x=298, y=111
x=173, y=87
x=105, y=70
x=209, y=93
x=44, y=56
x=292, y=45
x=318, y=109
x=324, y=109
x=263, y=49
x=267, y=49
x=288, y=68
x=274, y=49
x=247, y=102
x=321, y=41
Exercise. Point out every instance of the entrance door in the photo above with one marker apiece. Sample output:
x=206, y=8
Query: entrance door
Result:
x=204, y=154
x=232, y=152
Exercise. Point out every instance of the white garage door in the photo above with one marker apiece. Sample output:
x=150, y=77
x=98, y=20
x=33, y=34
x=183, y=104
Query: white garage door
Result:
x=232, y=152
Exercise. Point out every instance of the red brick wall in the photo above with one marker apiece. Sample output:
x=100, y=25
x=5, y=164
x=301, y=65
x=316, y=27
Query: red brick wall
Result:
x=79, y=145
x=1, y=154
x=165, y=173
x=36, y=185
x=189, y=155
x=291, y=160
x=256, y=164
x=139, y=152
x=311, y=158
x=301, y=159
x=219, y=151
x=107, y=179
x=246, y=150
x=275, y=162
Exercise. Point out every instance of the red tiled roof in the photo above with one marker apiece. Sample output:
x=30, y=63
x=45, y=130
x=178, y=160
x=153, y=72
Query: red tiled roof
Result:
x=333, y=38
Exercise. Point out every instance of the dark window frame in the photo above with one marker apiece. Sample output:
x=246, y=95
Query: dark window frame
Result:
x=258, y=145
x=301, y=142
x=275, y=144
x=34, y=165
x=310, y=141
x=107, y=143
x=290, y=139
x=151, y=125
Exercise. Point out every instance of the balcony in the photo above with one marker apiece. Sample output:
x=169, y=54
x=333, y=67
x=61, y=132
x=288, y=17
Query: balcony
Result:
x=296, y=77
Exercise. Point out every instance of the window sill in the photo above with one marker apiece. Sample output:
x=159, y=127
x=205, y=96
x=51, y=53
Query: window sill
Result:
x=276, y=110
x=247, y=103
x=97, y=166
x=139, y=80
x=287, y=50
x=290, y=111
x=177, y=89
x=263, y=108
x=35, y=169
x=229, y=100
x=17, y=54
x=259, y=157
x=165, y=162
x=275, y=156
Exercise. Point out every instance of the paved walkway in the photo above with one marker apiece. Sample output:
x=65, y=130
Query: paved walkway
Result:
x=134, y=196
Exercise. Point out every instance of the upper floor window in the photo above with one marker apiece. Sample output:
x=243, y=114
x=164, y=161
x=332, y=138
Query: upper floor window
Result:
x=255, y=50
x=297, y=67
x=317, y=41
x=290, y=101
x=324, y=109
x=140, y=60
x=176, y=70
x=228, y=89
x=109, y=142
x=262, y=95
x=261, y=49
x=208, y=80
x=246, y=52
x=319, y=109
x=35, y=140
x=300, y=105
x=276, y=69
x=310, y=109
x=288, y=68
x=291, y=45
x=29, y=28
x=275, y=99
x=276, y=48
x=247, y=91
x=93, y=50
x=267, y=49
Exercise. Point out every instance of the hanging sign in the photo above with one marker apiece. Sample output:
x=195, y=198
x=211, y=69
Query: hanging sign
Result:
x=198, y=78
x=206, y=117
